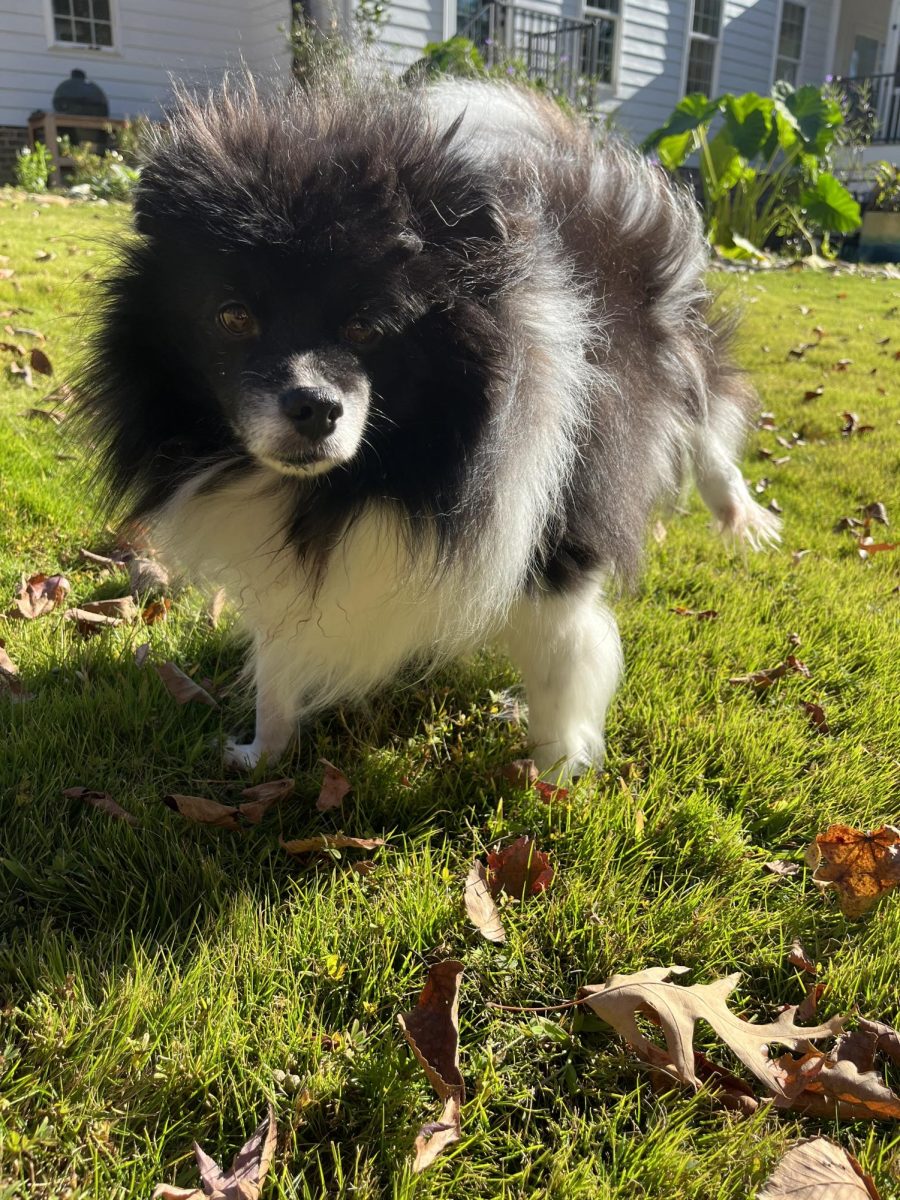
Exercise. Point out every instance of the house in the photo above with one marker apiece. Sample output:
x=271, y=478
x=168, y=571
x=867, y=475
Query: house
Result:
x=131, y=48
x=631, y=59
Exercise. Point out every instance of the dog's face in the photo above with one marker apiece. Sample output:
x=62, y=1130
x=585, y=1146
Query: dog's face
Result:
x=318, y=303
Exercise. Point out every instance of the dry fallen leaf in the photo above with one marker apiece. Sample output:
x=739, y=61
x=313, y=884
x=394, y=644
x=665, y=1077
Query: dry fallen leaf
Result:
x=549, y=792
x=702, y=614
x=432, y=1031
x=519, y=869
x=480, y=906
x=799, y=958
x=244, y=1179
x=860, y=866
x=10, y=683
x=780, y=867
x=156, y=611
x=819, y=1170
x=104, y=802
x=335, y=786
x=329, y=841
x=887, y=1040
x=182, y=687
x=868, y=547
x=123, y=607
x=679, y=1008
x=876, y=512
x=40, y=362
x=258, y=800
x=817, y=718
x=840, y=1084
x=760, y=680
x=39, y=595
x=89, y=623
x=814, y=393
x=521, y=772
x=140, y=655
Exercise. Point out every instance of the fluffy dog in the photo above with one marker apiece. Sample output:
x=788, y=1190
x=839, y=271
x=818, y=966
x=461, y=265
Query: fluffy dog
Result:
x=406, y=370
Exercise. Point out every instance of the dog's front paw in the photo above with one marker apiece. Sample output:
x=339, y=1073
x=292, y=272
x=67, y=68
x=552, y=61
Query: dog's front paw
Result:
x=241, y=757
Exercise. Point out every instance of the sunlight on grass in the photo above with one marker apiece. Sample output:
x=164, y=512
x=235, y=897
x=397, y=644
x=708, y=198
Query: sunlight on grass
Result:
x=158, y=984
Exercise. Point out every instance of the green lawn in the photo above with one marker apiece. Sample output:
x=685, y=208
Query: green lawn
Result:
x=156, y=983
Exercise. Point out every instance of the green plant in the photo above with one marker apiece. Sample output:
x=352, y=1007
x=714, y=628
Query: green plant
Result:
x=133, y=139
x=107, y=175
x=325, y=45
x=460, y=57
x=33, y=167
x=886, y=194
x=764, y=171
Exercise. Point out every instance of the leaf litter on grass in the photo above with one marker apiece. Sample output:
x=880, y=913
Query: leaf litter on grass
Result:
x=859, y=865
x=432, y=1031
x=202, y=810
x=245, y=1177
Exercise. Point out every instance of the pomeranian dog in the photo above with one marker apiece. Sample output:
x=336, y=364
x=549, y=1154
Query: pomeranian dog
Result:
x=406, y=370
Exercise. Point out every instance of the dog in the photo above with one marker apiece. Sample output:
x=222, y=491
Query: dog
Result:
x=406, y=369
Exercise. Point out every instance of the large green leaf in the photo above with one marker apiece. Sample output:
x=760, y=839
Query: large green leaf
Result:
x=727, y=166
x=748, y=120
x=817, y=117
x=674, y=141
x=830, y=206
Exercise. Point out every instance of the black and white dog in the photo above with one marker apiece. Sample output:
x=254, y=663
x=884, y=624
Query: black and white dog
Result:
x=406, y=372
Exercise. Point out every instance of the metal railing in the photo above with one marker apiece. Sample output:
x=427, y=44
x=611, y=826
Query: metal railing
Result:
x=572, y=58
x=873, y=100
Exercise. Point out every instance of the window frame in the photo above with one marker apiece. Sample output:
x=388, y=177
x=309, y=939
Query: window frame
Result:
x=775, y=55
x=599, y=9
x=53, y=42
x=716, y=42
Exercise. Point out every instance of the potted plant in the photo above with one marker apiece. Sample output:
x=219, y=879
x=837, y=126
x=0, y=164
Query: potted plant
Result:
x=879, y=239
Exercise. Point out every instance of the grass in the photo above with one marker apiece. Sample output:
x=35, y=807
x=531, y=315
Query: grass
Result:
x=157, y=985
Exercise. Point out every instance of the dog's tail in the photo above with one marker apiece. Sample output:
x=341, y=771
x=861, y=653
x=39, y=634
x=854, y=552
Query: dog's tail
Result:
x=716, y=445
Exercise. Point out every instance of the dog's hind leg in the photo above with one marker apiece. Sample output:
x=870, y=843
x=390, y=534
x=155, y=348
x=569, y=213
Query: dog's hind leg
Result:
x=716, y=447
x=567, y=648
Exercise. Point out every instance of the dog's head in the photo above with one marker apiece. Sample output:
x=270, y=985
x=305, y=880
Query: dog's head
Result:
x=311, y=287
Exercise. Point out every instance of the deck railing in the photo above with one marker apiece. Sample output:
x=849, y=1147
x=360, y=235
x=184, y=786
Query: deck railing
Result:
x=573, y=58
x=873, y=100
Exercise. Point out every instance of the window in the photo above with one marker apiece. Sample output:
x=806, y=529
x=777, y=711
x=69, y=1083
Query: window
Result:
x=706, y=26
x=790, y=42
x=82, y=22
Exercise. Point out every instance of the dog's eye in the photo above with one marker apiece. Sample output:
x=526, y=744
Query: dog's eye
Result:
x=360, y=333
x=237, y=320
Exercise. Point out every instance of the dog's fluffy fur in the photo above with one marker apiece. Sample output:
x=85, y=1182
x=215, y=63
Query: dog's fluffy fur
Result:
x=546, y=371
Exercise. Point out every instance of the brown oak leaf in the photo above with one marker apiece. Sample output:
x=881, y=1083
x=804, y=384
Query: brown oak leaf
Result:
x=859, y=866
x=242, y=1181
x=819, y=1170
x=679, y=1008
x=432, y=1031
x=258, y=800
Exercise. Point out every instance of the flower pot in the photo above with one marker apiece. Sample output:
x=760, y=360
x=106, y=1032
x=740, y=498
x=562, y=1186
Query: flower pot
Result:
x=879, y=238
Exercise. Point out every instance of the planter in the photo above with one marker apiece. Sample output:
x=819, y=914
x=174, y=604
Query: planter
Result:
x=879, y=239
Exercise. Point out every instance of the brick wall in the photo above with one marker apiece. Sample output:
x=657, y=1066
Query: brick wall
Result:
x=12, y=137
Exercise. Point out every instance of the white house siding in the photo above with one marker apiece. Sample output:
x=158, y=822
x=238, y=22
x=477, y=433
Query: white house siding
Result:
x=265, y=42
x=747, y=54
x=651, y=56
x=410, y=26
x=194, y=40
x=815, y=63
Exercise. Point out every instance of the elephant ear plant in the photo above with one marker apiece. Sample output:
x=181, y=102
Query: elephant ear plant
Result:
x=763, y=163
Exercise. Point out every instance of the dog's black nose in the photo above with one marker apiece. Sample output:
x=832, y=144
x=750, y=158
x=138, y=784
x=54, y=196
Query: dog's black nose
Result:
x=313, y=411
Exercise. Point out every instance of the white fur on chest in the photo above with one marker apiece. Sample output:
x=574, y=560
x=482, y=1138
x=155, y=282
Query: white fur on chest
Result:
x=376, y=607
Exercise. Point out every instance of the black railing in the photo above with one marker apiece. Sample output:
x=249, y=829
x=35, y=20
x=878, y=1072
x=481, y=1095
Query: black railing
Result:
x=874, y=102
x=572, y=58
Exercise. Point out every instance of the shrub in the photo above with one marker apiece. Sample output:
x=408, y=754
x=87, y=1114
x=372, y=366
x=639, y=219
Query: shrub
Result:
x=107, y=175
x=764, y=172
x=886, y=193
x=33, y=167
